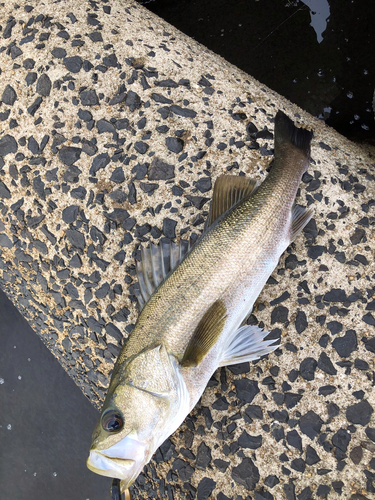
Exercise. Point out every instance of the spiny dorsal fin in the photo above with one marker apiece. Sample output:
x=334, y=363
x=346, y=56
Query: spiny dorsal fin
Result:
x=206, y=334
x=300, y=217
x=228, y=191
x=157, y=262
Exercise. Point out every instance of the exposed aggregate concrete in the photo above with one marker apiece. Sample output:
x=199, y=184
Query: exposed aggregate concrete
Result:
x=113, y=129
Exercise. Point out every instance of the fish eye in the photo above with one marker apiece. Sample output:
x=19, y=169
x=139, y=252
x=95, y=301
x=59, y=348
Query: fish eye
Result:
x=112, y=421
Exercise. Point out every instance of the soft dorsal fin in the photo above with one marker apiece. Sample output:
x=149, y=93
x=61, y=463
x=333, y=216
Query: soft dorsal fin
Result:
x=300, y=217
x=206, y=334
x=228, y=191
x=157, y=261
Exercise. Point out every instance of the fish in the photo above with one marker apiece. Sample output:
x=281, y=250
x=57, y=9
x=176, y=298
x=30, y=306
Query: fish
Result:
x=195, y=300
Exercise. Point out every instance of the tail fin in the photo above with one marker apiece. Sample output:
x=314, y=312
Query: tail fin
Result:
x=287, y=133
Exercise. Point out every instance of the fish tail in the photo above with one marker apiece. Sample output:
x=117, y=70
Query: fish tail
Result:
x=291, y=140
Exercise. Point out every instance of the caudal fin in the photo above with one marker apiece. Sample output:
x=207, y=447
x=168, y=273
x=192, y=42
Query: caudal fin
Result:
x=287, y=133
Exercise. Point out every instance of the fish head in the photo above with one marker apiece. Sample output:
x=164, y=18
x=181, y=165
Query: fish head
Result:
x=147, y=400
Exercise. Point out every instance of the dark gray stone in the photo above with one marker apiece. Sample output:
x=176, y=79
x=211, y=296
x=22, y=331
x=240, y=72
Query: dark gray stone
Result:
x=279, y=314
x=69, y=214
x=118, y=215
x=205, y=488
x=8, y=145
x=271, y=481
x=358, y=236
x=148, y=187
x=105, y=126
x=198, y=201
x=78, y=193
x=84, y=115
x=203, y=184
x=335, y=295
x=58, y=52
x=31, y=78
x=307, y=368
x=246, y=389
x=246, y=474
x=315, y=251
x=89, y=98
x=311, y=456
x=73, y=64
x=185, y=470
x=248, y=441
x=102, y=291
x=334, y=327
x=5, y=241
x=159, y=170
x=310, y=424
x=345, y=345
x=359, y=413
x=341, y=439
x=300, y=322
x=325, y=364
x=203, y=456
x=110, y=61
x=72, y=174
x=118, y=175
x=174, y=144
x=292, y=399
x=76, y=239
x=133, y=101
x=43, y=86
x=35, y=106
x=113, y=331
x=4, y=191
x=185, y=112
x=9, y=95
x=33, y=222
x=294, y=439
x=169, y=228
x=69, y=155
x=141, y=147
x=100, y=161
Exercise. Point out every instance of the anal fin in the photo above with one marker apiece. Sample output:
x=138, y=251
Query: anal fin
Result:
x=300, y=218
x=246, y=344
x=206, y=334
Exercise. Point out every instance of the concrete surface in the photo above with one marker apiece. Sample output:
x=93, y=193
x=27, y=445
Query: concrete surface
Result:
x=116, y=139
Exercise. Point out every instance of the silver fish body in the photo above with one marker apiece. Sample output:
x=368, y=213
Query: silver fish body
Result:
x=191, y=320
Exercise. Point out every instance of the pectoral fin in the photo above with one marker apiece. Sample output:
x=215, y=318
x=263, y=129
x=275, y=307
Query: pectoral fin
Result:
x=228, y=191
x=300, y=217
x=206, y=334
x=246, y=344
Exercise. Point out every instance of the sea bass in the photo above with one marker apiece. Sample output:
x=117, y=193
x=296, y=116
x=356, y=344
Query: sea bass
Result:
x=195, y=302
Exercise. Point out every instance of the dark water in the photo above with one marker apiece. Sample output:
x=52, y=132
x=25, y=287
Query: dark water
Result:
x=320, y=54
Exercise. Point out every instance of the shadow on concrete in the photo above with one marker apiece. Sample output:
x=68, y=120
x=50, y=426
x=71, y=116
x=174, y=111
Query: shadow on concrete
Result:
x=45, y=421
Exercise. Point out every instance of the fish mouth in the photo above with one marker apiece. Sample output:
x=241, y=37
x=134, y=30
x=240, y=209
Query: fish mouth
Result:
x=124, y=460
x=111, y=467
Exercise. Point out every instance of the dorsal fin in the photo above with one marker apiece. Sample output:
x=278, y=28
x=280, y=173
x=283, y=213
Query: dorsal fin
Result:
x=206, y=334
x=228, y=191
x=157, y=262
